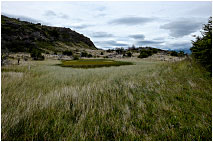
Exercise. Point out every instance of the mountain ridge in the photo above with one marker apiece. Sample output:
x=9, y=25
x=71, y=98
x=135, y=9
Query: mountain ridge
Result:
x=22, y=36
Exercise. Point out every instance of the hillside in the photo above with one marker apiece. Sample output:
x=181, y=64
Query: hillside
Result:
x=21, y=36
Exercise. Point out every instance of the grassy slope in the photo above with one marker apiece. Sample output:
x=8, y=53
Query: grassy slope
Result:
x=145, y=101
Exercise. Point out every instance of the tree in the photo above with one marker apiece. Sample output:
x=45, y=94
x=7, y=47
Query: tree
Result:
x=202, y=46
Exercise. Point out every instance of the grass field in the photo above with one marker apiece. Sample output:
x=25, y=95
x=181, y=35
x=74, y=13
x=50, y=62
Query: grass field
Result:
x=148, y=100
x=92, y=63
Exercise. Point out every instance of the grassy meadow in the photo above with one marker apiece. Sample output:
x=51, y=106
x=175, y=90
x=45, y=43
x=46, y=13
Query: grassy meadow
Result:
x=149, y=100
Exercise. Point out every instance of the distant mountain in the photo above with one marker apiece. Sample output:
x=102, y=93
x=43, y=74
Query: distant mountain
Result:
x=21, y=36
x=185, y=50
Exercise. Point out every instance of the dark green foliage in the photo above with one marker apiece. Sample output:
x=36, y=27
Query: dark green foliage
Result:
x=119, y=50
x=36, y=54
x=181, y=54
x=129, y=54
x=4, y=56
x=75, y=57
x=202, y=47
x=147, y=51
x=143, y=55
x=68, y=53
x=89, y=55
x=174, y=53
x=102, y=53
x=110, y=50
x=154, y=50
x=84, y=54
x=54, y=33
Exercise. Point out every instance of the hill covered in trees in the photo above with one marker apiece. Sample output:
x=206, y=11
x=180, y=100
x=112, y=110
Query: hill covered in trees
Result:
x=21, y=36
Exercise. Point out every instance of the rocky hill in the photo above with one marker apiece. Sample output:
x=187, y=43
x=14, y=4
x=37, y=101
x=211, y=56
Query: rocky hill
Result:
x=21, y=36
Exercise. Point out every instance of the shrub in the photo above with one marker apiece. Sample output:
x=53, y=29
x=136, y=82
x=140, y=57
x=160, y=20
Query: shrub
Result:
x=143, y=55
x=129, y=54
x=89, y=55
x=202, y=47
x=67, y=52
x=174, y=53
x=102, y=53
x=36, y=54
x=181, y=54
x=75, y=57
x=84, y=54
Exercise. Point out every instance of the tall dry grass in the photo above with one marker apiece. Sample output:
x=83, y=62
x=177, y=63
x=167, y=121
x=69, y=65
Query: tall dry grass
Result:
x=145, y=101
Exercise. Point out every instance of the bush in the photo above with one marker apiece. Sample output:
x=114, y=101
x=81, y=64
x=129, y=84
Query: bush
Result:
x=89, y=55
x=67, y=52
x=202, y=47
x=181, y=54
x=129, y=54
x=102, y=53
x=143, y=55
x=84, y=54
x=75, y=57
x=36, y=54
x=174, y=53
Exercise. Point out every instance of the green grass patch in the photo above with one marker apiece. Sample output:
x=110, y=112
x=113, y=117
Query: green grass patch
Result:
x=92, y=63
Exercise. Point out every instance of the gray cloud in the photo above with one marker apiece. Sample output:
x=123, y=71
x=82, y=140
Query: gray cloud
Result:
x=183, y=45
x=101, y=15
x=101, y=34
x=24, y=18
x=183, y=27
x=159, y=38
x=137, y=36
x=50, y=13
x=150, y=42
x=131, y=20
x=101, y=8
x=83, y=26
x=111, y=43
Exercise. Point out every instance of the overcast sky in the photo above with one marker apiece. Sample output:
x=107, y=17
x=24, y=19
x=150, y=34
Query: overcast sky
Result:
x=165, y=25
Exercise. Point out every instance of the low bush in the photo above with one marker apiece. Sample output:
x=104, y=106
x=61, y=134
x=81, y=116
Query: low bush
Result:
x=36, y=54
x=143, y=55
x=67, y=52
